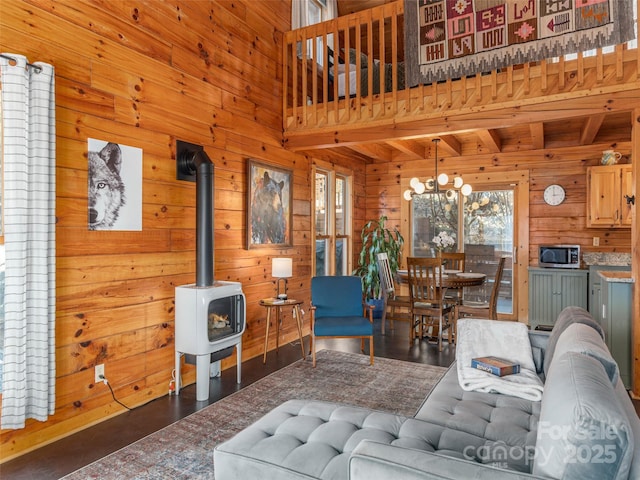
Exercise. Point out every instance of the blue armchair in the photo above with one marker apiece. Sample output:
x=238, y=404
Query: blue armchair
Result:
x=337, y=311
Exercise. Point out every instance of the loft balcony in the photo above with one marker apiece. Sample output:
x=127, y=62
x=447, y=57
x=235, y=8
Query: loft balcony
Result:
x=343, y=86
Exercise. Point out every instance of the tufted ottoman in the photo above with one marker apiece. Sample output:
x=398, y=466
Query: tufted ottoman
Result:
x=309, y=439
x=304, y=439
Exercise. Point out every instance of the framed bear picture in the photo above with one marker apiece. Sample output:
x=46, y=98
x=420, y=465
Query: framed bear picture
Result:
x=269, y=205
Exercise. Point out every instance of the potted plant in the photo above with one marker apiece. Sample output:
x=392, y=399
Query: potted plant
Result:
x=376, y=238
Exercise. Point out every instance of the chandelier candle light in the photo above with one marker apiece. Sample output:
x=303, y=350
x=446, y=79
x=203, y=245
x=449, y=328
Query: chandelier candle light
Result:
x=281, y=268
x=433, y=184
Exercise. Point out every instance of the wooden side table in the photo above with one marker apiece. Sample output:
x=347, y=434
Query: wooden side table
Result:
x=275, y=304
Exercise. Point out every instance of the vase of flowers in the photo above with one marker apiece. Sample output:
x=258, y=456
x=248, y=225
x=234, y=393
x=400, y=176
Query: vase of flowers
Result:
x=443, y=241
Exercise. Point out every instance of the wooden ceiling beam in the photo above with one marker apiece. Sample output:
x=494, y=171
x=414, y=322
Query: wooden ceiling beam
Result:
x=373, y=150
x=491, y=140
x=438, y=125
x=345, y=154
x=537, y=135
x=591, y=128
x=450, y=144
x=410, y=147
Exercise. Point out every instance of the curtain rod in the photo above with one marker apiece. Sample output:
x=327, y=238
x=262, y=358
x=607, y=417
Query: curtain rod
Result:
x=9, y=57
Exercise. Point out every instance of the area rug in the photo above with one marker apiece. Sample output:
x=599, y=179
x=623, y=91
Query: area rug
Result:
x=451, y=39
x=184, y=450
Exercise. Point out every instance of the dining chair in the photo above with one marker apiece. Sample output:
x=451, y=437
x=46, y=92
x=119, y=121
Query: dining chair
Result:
x=488, y=310
x=453, y=261
x=428, y=305
x=337, y=311
x=392, y=301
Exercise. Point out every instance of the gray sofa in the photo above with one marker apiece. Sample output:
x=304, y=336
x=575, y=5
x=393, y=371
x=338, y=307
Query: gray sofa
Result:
x=585, y=427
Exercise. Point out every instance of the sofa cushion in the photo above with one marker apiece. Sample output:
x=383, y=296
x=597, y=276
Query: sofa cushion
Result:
x=568, y=316
x=507, y=424
x=583, y=339
x=583, y=433
x=342, y=326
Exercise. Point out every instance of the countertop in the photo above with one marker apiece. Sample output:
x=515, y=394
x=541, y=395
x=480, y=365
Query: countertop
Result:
x=616, y=276
x=606, y=258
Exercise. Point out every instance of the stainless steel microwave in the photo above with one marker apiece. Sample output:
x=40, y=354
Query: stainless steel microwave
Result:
x=559, y=256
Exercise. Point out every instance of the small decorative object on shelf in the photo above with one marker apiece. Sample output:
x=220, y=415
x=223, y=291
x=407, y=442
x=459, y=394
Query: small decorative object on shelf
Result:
x=496, y=366
x=610, y=157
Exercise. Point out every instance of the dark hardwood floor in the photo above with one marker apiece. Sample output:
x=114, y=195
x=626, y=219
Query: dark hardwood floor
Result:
x=67, y=455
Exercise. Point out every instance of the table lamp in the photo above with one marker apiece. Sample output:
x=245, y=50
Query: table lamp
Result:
x=282, y=268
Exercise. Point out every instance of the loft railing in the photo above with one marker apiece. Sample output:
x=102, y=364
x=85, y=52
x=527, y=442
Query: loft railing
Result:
x=329, y=70
x=326, y=63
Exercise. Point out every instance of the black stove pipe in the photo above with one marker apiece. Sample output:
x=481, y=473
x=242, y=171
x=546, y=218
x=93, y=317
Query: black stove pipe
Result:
x=198, y=162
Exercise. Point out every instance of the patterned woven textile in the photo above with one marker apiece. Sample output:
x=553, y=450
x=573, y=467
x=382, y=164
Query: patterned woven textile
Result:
x=454, y=38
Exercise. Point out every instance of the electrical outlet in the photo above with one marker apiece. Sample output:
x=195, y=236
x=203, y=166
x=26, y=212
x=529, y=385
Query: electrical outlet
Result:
x=596, y=241
x=99, y=372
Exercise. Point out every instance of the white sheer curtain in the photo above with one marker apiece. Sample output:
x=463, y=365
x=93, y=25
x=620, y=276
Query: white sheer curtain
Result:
x=29, y=146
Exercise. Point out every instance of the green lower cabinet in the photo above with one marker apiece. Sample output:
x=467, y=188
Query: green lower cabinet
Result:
x=616, y=321
x=595, y=288
x=551, y=290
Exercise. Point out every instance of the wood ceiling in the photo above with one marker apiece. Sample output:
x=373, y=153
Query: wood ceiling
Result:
x=597, y=129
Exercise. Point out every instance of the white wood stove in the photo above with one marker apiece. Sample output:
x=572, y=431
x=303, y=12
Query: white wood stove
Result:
x=210, y=315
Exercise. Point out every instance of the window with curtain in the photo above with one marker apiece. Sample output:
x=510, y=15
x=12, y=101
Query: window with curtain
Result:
x=332, y=222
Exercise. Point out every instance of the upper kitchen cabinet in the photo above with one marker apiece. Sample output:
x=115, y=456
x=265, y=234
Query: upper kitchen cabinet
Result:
x=606, y=190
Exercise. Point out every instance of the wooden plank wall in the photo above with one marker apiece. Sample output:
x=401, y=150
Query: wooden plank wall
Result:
x=145, y=73
x=564, y=165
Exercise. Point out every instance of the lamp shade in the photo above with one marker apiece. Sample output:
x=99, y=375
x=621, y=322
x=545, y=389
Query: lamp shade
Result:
x=282, y=267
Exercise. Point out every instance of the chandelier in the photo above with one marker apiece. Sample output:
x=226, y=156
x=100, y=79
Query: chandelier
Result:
x=437, y=184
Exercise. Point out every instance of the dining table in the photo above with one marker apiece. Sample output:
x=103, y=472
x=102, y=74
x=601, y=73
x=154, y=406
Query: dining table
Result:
x=451, y=278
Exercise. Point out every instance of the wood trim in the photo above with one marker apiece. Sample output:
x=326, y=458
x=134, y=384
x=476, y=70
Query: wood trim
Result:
x=635, y=254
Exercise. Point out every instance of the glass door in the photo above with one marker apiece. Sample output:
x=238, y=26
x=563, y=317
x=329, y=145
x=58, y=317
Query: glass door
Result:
x=482, y=225
x=488, y=217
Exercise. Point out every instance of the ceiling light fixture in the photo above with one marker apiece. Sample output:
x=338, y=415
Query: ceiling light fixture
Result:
x=437, y=184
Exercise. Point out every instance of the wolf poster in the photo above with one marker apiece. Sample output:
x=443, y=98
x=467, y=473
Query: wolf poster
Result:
x=115, y=186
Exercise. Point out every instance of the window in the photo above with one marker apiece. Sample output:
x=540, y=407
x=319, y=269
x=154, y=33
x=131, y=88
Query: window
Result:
x=332, y=222
x=314, y=13
x=311, y=12
x=482, y=224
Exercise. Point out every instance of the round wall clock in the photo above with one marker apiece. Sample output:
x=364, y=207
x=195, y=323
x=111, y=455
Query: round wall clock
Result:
x=554, y=194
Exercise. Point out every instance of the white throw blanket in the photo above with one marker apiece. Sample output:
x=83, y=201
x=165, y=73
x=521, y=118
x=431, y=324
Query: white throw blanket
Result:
x=508, y=340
